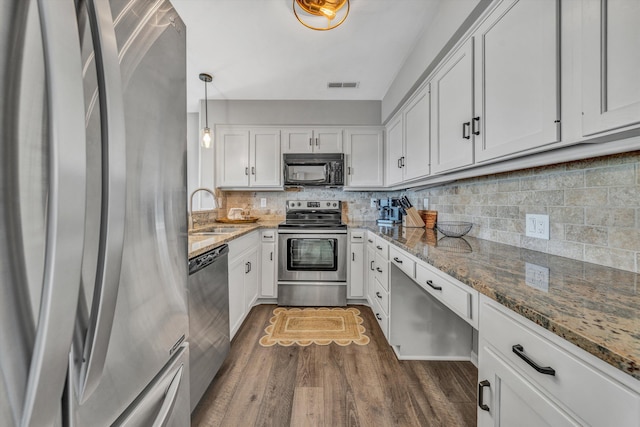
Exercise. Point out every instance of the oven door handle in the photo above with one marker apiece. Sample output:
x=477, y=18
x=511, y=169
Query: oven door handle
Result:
x=323, y=233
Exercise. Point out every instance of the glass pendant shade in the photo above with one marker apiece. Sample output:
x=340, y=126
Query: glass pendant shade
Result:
x=206, y=132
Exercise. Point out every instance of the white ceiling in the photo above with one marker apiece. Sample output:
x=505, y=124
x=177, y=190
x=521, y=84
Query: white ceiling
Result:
x=256, y=49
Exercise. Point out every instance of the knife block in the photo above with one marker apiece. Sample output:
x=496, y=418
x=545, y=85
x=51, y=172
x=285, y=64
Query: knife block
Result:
x=412, y=218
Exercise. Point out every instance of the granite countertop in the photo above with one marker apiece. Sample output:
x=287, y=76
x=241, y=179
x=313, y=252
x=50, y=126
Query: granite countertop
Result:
x=201, y=244
x=594, y=307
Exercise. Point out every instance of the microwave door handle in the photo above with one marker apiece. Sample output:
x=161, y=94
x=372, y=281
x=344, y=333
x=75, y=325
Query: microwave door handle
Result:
x=327, y=177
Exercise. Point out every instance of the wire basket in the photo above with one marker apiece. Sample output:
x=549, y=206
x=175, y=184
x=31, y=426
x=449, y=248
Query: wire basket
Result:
x=453, y=228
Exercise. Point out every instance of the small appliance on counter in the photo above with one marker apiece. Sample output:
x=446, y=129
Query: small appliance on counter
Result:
x=389, y=211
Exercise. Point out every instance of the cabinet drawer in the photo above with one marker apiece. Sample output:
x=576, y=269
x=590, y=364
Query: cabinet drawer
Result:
x=382, y=271
x=371, y=239
x=357, y=236
x=382, y=248
x=403, y=262
x=582, y=386
x=382, y=318
x=459, y=298
x=268, y=236
x=381, y=296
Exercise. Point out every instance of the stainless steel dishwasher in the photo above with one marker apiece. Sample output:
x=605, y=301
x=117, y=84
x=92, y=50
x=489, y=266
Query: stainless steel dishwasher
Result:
x=208, y=318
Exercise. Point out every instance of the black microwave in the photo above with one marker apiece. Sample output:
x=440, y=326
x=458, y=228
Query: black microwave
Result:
x=304, y=169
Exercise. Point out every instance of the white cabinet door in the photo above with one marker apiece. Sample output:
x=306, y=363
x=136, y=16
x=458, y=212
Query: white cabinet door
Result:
x=232, y=162
x=297, y=140
x=517, y=52
x=265, y=160
x=370, y=269
x=312, y=140
x=509, y=399
x=452, y=111
x=610, y=64
x=327, y=140
x=394, y=150
x=237, y=269
x=364, y=158
x=416, y=136
x=251, y=279
x=268, y=269
x=356, y=277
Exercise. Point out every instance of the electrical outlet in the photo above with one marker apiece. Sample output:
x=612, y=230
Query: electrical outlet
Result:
x=537, y=276
x=373, y=203
x=537, y=226
x=425, y=203
x=263, y=202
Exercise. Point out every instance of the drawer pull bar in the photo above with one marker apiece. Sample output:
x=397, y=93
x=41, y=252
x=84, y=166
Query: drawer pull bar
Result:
x=398, y=260
x=379, y=247
x=372, y=265
x=437, y=288
x=378, y=269
x=356, y=237
x=378, y=317
x=481, y=385
x=519, y=351
x=378, y=295
x=369, y=240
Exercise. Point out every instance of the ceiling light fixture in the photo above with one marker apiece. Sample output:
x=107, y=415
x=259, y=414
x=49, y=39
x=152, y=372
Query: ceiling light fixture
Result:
x=329, y=9
x=206, y=133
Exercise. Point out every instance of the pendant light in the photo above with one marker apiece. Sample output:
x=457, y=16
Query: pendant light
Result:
x=206, y=133
x=329, y=9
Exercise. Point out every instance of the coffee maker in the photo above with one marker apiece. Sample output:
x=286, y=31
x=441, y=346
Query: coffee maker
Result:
x=389, y=211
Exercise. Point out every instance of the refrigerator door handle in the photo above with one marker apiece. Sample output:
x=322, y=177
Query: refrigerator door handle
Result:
x=65, y=213
x=113, y=199
x=169, y=400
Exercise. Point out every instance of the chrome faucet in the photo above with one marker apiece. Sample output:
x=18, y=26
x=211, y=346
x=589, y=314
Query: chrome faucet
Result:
x=191, y=203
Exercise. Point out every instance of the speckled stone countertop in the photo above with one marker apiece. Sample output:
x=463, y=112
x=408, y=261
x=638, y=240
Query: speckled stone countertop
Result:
x=201, y=244
x=594, y=307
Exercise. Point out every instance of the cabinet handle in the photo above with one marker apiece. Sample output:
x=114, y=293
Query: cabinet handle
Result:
x=437, y=288
x=369, y=240
x=546, y=370
x=476, y=131
x=398, y=260
x=353, y=256
x=246, y=171
x=481, y=385
x=402, y=161
x=379, y=247
x=356, y=237
x=268, y=236
x=253, y=170
x=271, y=256
x=246, y=268
x=378, y=295
x=378, y=317
x=378, y=269
x=371, y=267
x=310, y=142
x=465, y=130
x=348, y=170
x=399, y=165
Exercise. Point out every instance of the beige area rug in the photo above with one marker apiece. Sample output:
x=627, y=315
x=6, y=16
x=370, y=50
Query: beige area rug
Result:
x=320, y=326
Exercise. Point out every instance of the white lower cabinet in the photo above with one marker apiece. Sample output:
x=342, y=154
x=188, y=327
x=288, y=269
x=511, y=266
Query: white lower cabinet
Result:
x=268, y=262
x=532, y=374
x=243, y=278
x=356, y=284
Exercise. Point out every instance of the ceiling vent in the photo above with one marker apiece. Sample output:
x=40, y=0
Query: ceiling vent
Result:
x=343, y=85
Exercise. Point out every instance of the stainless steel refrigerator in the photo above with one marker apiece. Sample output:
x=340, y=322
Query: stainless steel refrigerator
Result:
x=93, y=238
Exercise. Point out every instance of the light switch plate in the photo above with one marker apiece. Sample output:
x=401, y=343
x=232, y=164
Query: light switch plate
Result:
x=373, y=203
x=537, y=276
x=263, y=202
x=537, y=226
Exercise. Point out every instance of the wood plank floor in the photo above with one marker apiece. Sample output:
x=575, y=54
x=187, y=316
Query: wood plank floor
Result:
x=333, y=385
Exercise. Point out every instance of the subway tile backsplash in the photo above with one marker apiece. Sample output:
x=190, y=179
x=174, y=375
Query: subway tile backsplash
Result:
x=593, y=207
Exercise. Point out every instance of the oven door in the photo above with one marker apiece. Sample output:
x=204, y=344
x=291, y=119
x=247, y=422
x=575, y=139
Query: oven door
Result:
x=312, y=255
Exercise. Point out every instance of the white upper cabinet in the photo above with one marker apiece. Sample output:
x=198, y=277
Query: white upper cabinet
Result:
x=394, y=149
x=610, y=65
x=364, y=158
x=452, y=111
x=408, y=153
x=312, y=140
x=248, y=157
x=517, y=72
x=416, y=136
x=232, y=158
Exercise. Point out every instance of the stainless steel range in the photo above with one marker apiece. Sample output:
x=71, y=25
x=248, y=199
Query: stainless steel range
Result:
x=312, y=243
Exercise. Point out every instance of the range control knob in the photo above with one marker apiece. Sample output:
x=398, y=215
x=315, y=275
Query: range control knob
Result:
x=328, y=203
x=298, y=203
x=335, y=205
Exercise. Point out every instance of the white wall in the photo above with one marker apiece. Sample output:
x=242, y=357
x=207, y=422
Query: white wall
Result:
x=452, y=20
x=292, y=112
